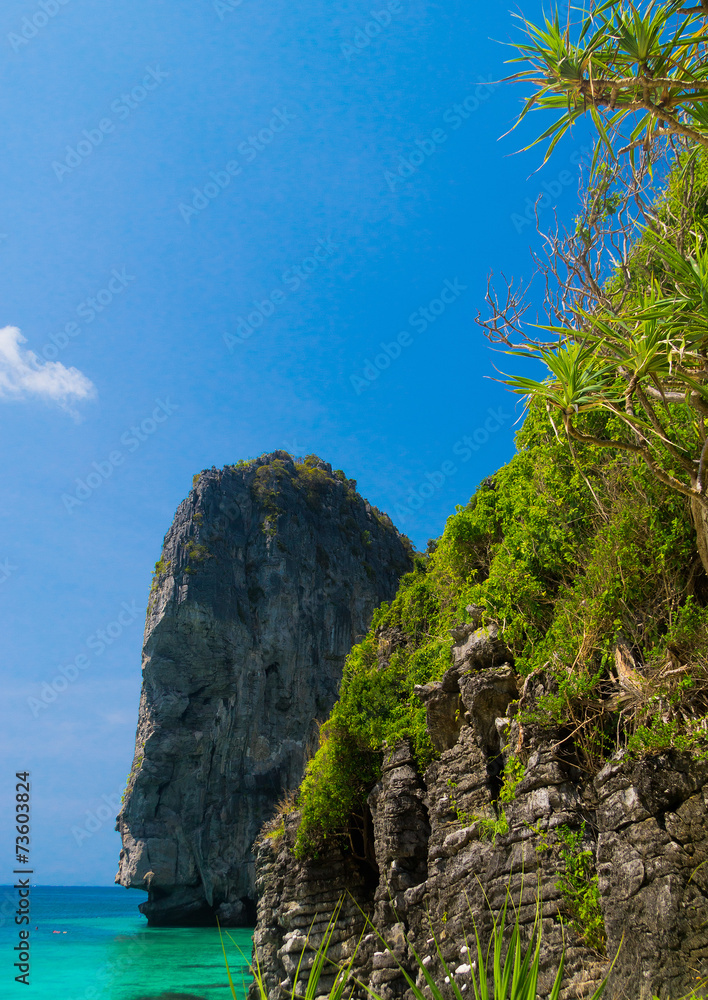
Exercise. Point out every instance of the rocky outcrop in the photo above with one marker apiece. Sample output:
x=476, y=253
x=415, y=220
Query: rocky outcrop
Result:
x=269, y=574
x=447, y=845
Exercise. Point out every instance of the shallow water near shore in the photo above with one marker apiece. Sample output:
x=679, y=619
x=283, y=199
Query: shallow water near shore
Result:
x=93, y=944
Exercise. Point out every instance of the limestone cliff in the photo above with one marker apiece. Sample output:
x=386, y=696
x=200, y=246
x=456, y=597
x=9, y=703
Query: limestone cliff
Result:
x=268, y=575
x=443, y=847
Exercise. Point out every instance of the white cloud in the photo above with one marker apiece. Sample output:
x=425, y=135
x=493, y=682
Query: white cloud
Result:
x=23, y=374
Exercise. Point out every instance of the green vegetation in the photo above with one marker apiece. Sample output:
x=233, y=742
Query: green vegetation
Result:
x=313, y=476
x=589, y=550
x=581, y=557
x=516, y=975
x=662, y=736
x=266, y=487
x=196, y=554
x=321, y=963
x=579, y=888
x=640, y=68
x=512, y=776
x=277, y=832
x=314, y=480
x=161, y=567
x=490, y=829
x=137, y=763
x=634, y=346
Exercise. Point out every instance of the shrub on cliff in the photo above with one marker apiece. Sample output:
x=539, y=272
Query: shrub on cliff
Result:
x=636, y=345
x=581, y=558
x=590, y=548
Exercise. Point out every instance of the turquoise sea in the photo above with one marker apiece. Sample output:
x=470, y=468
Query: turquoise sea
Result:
x=93, y=944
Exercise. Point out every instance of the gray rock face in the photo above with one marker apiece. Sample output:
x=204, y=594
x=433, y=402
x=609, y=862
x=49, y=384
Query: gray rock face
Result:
x=644, y=826
x=269, y=574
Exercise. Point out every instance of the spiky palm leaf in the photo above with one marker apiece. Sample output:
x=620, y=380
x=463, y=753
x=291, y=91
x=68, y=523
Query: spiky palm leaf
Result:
x=645, y=65
x=579, y=379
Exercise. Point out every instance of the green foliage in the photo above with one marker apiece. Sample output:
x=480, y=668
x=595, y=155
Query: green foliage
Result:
x=276, y=832
x=161, y=567
x=660, y=736
x=581, y=549
x=578, y=886
x=563, y=550
x=314, y=480
x=542, y=837
x=196, y=554
x=633, y=346
x=489, y=828
x=267, y=487
x=335, y=786
x=137, y=763
x=512, y=776
x=645, y=67
x=646, y=368
x=512, y=971
x=376, y=706
x=570, y=552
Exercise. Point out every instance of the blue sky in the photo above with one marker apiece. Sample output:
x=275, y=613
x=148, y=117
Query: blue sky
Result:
x=226, y=228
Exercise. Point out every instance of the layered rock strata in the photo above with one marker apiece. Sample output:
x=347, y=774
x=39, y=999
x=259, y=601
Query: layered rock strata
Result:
x=446, y=849
x=269, y=574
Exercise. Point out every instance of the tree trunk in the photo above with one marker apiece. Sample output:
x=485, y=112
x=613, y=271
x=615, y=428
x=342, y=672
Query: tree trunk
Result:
x=699, y=509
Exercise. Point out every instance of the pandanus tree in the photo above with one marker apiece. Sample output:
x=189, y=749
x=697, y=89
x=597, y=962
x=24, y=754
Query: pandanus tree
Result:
x=626, y=301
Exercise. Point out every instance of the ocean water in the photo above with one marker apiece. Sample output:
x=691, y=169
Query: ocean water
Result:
x=93, y=944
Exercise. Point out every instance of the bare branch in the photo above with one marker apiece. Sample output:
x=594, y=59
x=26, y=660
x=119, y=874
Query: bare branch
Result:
x=661, y=432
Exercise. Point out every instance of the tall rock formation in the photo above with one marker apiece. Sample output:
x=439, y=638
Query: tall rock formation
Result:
x=269, y=574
